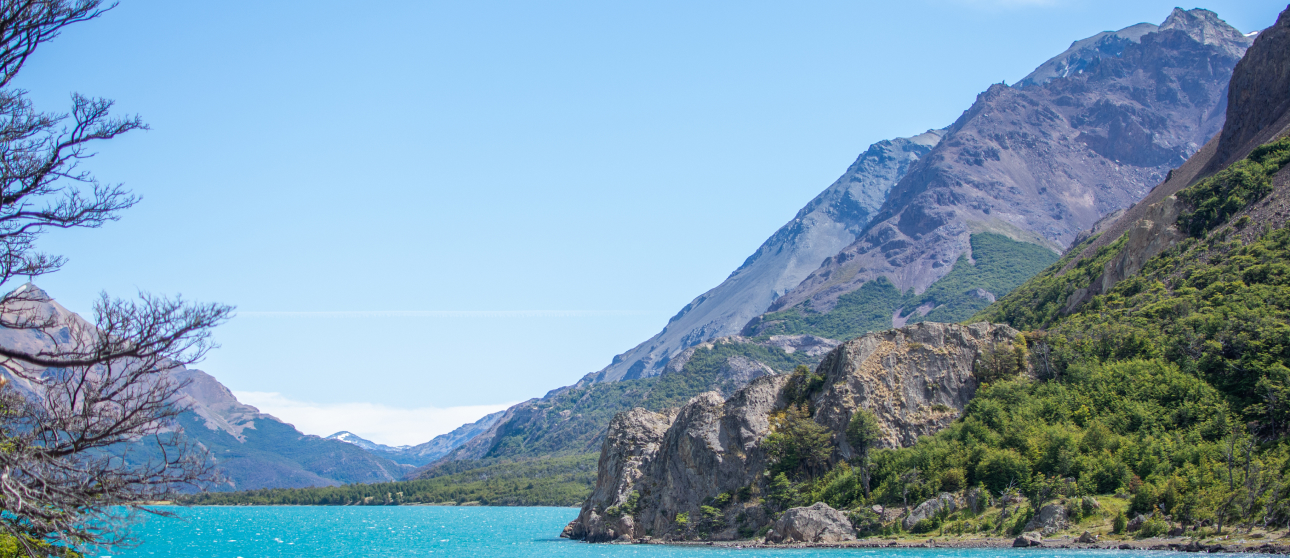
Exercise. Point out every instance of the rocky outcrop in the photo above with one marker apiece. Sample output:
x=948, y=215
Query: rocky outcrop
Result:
x=818, y=523
x=915, y=379
x=634, y=437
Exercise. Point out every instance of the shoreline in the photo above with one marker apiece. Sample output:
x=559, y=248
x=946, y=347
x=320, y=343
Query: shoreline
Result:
x=1178, y=544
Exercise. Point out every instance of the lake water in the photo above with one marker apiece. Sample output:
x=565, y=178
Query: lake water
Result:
x=323, y=531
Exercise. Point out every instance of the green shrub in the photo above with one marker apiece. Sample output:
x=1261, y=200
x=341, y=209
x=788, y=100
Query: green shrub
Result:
x=1153, y=527
x=1119, y=523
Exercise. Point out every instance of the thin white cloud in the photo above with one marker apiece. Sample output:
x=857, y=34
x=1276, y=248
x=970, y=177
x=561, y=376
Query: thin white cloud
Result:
x=378, y=423
x=1007, y=3
x=448, y=314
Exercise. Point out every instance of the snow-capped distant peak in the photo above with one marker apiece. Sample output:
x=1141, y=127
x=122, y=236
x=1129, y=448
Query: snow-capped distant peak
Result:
x=352, y=438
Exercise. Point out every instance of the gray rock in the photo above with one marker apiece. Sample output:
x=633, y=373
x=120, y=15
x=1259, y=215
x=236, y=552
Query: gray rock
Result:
x=1136, y=523
x=1028, y=539
x=977, y=499
x=818, y=523
x=1050, y=519
x=929, y=509
x=915, y=380
x=633, y=439
x=1087, y=538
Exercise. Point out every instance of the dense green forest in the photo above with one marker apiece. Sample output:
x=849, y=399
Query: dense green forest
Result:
x=999, y=264
x=1170, y=390
x=556, y=481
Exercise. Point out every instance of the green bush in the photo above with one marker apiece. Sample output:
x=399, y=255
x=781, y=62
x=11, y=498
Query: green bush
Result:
x=1153, y=527
x=1119, y=523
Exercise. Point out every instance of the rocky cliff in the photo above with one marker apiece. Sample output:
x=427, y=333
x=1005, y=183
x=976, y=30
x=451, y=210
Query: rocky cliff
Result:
x=655, y=467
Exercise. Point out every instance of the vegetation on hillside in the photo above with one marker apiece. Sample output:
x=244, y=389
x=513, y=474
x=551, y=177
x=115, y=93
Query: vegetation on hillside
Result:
x=1171, y=390
x=555, y=481
x=999, y=264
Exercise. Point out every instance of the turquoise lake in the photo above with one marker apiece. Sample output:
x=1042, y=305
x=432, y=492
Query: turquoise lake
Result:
x=317, y=532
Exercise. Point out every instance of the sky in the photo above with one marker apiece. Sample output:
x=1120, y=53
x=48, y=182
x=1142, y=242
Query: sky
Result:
x=428, y=211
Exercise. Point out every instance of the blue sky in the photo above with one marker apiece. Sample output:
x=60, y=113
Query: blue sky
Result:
x=426, y=210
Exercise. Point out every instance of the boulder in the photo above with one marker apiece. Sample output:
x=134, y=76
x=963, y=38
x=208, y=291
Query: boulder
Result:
x=1136, y=523
x=818, y=523
x=1050, y=519
x=1087, y=538
x=930, y=509
x=1028, y=540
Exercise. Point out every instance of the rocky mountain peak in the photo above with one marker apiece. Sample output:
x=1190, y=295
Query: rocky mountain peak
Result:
x=1206, y=28
x=1084, y=52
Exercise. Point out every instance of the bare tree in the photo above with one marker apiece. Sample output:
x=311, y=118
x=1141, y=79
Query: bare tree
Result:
x=87, y=430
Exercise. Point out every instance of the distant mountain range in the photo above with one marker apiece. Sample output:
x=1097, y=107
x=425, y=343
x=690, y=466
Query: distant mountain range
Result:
x=421, y=454
x=257, y=450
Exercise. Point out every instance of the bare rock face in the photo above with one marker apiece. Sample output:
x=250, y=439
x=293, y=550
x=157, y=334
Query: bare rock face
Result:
x=818, y=523
x=654, y=468
x=915, y=380
x=632, y=440
x=1259, y=95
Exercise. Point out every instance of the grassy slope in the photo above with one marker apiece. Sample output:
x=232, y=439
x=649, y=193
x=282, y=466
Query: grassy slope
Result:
x=1001, y=265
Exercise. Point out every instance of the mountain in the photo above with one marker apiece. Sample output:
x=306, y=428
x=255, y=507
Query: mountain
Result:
x=251, y=449
x=1032, y=163
x=352, y=438
x=1037, y=163
x=1149, y=365
x=933, y=227
x=422, y=454
x=829, y=222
